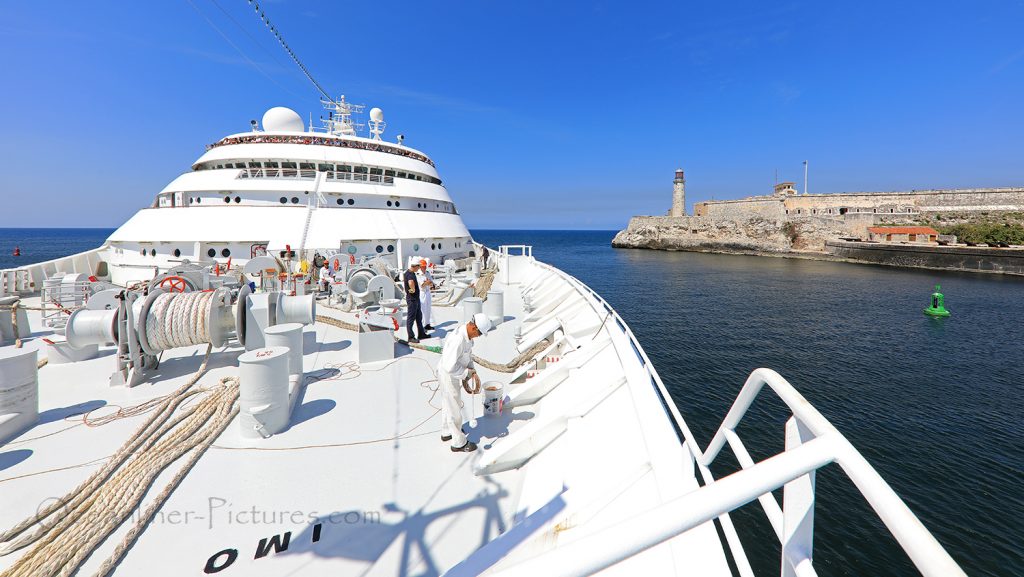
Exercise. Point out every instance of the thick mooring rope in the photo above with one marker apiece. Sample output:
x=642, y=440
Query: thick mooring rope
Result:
x=483, y=284
x=509, y=367
x=179, y=320
x=68, y=530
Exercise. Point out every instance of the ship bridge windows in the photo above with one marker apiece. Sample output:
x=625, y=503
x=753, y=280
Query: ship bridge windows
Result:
x=291, y=168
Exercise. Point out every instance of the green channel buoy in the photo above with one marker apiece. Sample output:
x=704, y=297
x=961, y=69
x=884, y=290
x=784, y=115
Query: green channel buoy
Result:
x=937, y=308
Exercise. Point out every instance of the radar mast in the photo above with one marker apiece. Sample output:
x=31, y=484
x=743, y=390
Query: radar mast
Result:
x=339, y=120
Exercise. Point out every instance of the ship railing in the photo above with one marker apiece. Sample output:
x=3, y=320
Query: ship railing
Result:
x=28, y=279
x=812, y=442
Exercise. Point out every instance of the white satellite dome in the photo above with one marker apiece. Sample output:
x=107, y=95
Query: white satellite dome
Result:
x=376, y=114
x=281, y=119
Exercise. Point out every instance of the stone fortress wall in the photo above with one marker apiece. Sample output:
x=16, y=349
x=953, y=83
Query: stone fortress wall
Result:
x=787, y=221
x=840, y=204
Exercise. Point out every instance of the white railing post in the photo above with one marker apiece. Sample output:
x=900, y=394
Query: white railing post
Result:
x=798, y=511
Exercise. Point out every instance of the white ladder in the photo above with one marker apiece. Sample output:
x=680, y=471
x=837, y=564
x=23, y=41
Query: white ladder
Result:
x=311, y=205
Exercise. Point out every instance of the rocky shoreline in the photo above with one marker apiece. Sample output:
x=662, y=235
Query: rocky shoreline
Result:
x=781, y=241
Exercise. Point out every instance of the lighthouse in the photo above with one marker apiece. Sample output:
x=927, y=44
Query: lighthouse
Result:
x=678, y=194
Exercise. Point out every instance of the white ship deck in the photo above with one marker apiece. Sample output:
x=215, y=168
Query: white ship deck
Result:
x=363, y=457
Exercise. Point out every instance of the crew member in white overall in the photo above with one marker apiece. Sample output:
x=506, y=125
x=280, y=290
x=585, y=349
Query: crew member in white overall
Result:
x=426, y=281
x=456, y=370
x=325, y=277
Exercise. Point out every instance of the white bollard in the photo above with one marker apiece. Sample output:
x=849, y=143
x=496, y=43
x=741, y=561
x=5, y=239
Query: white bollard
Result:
x=287, y=335
x=474, y=268
x=263, y=392
x=471, y=306
x=494, y=306
x=19, y=391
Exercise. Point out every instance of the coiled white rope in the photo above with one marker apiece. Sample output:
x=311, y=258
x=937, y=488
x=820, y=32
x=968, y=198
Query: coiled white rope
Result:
x=179, y=320
x=66, y=532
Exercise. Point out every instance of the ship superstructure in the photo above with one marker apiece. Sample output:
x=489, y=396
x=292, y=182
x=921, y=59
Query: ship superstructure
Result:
x=282, y=185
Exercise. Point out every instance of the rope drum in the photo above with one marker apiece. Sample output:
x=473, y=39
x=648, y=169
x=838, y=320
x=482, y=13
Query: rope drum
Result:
x=179, y=320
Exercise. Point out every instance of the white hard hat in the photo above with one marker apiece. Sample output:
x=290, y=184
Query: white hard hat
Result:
x=482, y=322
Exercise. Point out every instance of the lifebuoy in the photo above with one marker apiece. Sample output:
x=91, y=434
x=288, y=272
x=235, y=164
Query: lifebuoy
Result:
x=351, y=259
x=336, y=264
x=174, y=284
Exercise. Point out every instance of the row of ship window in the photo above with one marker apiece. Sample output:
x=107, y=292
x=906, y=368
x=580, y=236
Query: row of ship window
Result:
x=212, y=253
x=391, y=247
x=177, y=252
x=340, y=202
x=321, y=167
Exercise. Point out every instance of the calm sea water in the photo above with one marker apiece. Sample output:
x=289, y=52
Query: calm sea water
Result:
x=41, y=244
x=936, y=405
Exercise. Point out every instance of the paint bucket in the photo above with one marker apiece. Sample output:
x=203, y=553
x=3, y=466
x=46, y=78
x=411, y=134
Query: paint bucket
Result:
x=494, y=397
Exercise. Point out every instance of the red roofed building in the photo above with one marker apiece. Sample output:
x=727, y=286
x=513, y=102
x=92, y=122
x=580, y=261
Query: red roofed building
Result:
x=922, y=234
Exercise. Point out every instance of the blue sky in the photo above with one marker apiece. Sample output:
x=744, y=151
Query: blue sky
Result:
x=538, y=114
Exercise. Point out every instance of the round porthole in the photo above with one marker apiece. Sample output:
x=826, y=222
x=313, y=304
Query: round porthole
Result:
x=352, y=250
x=152, y=252
x=389, y=203
x=295, y=200
x=391, y=248
x=380, y=248
x=438, y=246
x=199, y=199
x=433, y=246
x=351, y=202
x=227, y=199
x=238, y=199
x=398, y=203
x=416, y=247
x=190, y=200
x=340, y=201
x=211, y=253
x=225, y=253
x=284, y=200
x=177, y=252
x=143, y=252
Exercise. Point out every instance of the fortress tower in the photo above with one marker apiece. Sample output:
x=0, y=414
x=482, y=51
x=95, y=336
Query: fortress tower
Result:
x=678, y=194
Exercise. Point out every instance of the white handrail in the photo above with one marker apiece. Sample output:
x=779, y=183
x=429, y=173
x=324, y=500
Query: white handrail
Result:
x=824, y=445
x=621, y=541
